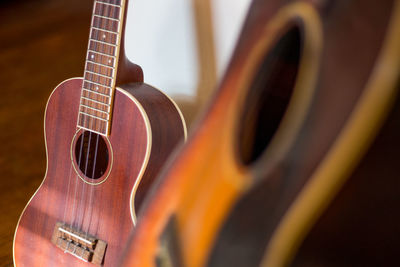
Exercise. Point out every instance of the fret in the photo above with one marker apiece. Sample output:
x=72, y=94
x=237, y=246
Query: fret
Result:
x=103, y=98
x=99, y=68
x=103, y=48
x=99, y=94
x=107, y=3
x=98, y=88
x=104, y=36
x=93, y=112
x=100, y=23
x=97, y=57
x=94, y=131
x=89, y=122
x=100, y=53
x=101, y=65
x=95, y=73
x=100, y=16
x=92, y=124
x=92, y=103
x=107, y=10
x=89, y=107
x=95, y=100
x=102, y=42
x=92, y=116
x=105, y=67
x=114, y=2
x=98, y=80
x=104, y=30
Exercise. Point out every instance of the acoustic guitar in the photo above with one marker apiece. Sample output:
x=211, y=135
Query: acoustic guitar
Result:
x=107, y=135
x=307, y=90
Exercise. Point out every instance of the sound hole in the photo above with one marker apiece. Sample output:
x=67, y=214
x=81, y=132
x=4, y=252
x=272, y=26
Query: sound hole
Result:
x=91, y=155
x=269, y=96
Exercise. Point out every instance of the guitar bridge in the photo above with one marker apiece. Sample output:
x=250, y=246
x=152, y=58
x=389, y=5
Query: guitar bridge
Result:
x=78, y=244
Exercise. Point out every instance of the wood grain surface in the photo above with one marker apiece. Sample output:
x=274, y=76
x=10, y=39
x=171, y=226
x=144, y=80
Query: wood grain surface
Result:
x=42, y=43
x=140, y=141
x=71, y=200
x=38, y=30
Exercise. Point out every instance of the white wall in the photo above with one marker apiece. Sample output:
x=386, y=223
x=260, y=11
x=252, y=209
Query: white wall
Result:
x=229, y=16
x=160, y=37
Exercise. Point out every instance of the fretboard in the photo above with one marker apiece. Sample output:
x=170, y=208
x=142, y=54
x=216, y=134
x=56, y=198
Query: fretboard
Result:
x=101, y=66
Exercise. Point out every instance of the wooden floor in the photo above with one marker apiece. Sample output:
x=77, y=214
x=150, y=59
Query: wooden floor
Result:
x=42, y=42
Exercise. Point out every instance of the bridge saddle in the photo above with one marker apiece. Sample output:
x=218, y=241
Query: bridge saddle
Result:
x=81, y=245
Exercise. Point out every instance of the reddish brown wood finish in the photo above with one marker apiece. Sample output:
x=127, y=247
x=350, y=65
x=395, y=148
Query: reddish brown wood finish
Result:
x=107, y=213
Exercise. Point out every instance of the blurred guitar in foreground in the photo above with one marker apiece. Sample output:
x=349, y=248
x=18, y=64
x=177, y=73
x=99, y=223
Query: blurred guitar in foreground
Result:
x=311, y=88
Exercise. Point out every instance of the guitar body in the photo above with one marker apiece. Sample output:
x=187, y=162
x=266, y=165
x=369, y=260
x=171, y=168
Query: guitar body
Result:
x=146, y=128
x=307, y=90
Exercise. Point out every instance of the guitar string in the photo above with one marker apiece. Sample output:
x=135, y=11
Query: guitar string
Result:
x=68, y=188
x=84, y=205
x=75, y=200
x=83, y=198
x=75, y=205
x=91, y=188
x=81, y=214
x=104, y=12
x=110, y=12
x=76, y=181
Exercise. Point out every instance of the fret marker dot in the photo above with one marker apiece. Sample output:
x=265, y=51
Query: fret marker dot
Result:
x=92, y=56
x=109, y=61
x=104, y=36
x=97, y=88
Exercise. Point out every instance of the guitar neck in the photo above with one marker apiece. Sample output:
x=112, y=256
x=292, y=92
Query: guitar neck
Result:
x=101, y=66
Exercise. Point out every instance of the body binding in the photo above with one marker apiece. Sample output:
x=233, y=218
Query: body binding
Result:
x=141, y=139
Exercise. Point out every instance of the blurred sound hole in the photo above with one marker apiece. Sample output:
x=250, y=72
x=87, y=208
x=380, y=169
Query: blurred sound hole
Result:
x=91, y=155
x=269, y=96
